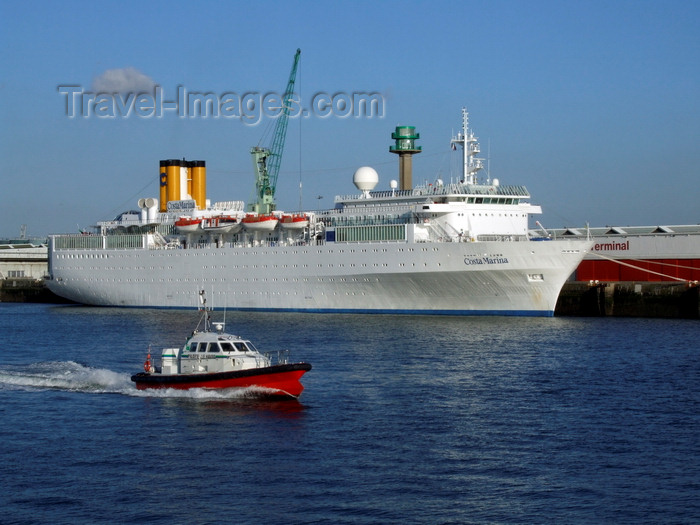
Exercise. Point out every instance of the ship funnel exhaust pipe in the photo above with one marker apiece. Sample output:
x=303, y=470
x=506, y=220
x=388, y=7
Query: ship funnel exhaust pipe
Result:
x=183, y=180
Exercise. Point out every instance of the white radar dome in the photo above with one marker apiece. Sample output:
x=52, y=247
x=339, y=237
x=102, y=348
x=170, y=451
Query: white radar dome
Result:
x=365, y=178
x=393, y=184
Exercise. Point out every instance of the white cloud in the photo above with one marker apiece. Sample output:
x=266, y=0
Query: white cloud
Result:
x=124, y=80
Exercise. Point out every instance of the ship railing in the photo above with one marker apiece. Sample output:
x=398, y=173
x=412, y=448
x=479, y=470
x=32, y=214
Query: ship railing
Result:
x=98, y=242
x=502, y=238
x=375, y=194
x=206, y=245
x=277, y=357
x=232, y=206
x=443, y=189
x=471, y=189
x=439, y=234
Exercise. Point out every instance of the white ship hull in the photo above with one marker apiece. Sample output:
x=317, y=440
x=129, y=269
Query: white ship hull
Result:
x=508, y=278
x=461, y=248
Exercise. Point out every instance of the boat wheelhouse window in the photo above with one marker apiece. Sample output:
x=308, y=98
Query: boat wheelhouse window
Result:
x=193, y=347
x=240, y=347
x=227, y=347
x=202, y=347
x=213, y=347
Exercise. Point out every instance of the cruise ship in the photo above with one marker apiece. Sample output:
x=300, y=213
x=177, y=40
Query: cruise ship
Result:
x=461, y=247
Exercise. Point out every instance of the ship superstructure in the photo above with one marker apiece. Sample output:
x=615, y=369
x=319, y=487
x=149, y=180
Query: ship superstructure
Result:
x=459, y=247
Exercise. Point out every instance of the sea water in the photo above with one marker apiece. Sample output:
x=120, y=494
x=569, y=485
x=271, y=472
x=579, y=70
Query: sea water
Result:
x=405, y=419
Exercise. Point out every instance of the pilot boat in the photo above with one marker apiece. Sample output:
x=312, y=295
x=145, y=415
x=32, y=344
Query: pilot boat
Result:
x=214, y=359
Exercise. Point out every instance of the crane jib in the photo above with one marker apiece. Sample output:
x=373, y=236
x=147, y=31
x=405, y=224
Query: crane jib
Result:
x=267, y=161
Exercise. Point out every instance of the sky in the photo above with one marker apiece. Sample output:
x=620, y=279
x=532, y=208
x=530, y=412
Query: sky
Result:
x=593, y=106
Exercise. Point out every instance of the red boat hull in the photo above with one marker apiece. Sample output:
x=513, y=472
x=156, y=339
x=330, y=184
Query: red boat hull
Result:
x=282, y=380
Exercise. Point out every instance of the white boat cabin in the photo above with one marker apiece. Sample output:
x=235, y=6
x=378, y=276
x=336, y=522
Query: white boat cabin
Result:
x=211, y=352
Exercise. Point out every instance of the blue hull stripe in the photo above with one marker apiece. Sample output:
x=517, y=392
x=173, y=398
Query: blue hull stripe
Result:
x=508, y=313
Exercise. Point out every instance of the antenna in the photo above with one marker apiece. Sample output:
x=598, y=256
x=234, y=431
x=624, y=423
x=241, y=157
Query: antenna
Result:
x=470, y=147
x=225, y=305
x=205, y=311
x=488, y=162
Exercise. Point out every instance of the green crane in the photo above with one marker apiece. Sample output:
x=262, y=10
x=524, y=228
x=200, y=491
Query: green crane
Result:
x=266, y=161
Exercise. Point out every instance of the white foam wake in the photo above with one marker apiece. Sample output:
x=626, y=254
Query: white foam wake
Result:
x=62, y=375
x=75, y=377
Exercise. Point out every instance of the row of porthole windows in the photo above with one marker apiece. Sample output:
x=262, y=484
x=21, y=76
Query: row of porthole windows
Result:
x=236, y=267
x=97, y=255
x=245, y=280
x=241, y=267
x=499, y=215
x=261, y=292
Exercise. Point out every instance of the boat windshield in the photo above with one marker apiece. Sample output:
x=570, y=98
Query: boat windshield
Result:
x=227, y=347
x=241, y=347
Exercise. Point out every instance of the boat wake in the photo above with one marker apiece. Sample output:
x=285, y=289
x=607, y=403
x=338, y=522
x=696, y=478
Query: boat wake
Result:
x=61, y=375
x=70, y=376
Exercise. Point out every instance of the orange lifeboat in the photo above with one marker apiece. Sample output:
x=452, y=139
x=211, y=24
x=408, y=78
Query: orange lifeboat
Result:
x=188, y=224
x=297, y=221
x=221, y=224
x=260, y=223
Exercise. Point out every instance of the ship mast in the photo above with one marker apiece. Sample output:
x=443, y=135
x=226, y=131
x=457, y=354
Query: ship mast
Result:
x=470, y=147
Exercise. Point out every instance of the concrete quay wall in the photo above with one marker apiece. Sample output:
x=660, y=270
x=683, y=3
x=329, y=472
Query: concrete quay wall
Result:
x=673, y=300
x=27, y=290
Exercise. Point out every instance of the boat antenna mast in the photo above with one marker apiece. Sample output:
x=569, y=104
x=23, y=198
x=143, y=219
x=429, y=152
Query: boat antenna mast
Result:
x=267, y=171
x=470, y=148
x=206, y=317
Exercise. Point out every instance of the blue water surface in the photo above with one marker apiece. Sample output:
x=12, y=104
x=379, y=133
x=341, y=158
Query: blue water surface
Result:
x=405, y=419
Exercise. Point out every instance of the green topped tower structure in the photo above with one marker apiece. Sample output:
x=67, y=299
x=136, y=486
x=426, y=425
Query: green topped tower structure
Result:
x=405, y=147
